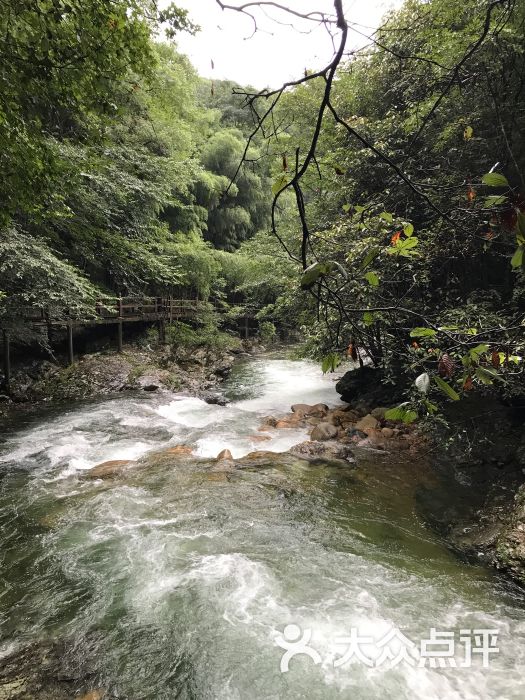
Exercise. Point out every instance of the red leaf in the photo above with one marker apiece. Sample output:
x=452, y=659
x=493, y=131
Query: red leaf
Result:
x=467, y=386
x=395, y=238
x=495, y=359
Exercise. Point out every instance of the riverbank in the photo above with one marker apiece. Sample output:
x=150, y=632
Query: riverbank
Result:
x=478, y=500
x=198, y=371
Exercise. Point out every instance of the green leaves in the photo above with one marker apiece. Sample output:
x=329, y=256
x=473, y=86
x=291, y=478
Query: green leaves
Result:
x=408, y=230
x=369, y=257
x=372, y=279
x=368, y=318
x=517, y=258
x=422, y=333
x=476, y=352
x=313, y=273
x=403, y=413
x=495, y=180
x=520, y=227
x=494, y=200
x=446, y=388
x=404, y=247
x=279, y=184
x=386, y=216
x=330, y=362
x=486, y=375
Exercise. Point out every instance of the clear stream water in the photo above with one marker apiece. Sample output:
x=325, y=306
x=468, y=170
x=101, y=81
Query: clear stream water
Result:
x=178, y=580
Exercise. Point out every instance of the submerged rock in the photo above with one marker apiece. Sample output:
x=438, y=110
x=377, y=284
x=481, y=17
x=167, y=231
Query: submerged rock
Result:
x=107, y=470
x=185, y=450
x=259, y=438
x=97, y=694
x=312, y=449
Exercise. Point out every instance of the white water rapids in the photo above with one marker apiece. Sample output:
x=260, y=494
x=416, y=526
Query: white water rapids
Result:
x=176, y=581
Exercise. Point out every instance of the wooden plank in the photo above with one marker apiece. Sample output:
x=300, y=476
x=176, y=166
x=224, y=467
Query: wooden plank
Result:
x=7, y=361
x=119, y=336
x=70, y=355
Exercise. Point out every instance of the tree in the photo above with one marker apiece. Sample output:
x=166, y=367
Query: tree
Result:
x=406, y=242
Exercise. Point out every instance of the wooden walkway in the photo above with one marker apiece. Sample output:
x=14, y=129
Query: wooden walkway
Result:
x=109, y=310
x=122, y=310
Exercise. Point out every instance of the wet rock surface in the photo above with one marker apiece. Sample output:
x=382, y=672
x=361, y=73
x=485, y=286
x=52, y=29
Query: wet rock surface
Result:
x=43, y=672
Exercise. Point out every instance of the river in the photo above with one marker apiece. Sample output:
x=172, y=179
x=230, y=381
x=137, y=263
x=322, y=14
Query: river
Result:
x=177, y=580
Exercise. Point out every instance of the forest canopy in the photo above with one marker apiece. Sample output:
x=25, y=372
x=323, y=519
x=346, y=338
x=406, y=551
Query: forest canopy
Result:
x=377, y=204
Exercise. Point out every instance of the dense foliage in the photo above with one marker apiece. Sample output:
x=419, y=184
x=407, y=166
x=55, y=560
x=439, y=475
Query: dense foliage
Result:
x=115, y=158
x=397, y=174
x=409, y=221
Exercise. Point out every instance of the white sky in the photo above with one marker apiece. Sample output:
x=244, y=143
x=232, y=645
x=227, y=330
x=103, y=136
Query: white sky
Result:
x=276, y=53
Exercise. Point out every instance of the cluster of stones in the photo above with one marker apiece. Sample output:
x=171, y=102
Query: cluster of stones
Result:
x=332, y=432
x=348, y=425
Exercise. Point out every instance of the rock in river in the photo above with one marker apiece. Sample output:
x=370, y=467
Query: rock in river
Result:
x=107, y=470
x=324, y=431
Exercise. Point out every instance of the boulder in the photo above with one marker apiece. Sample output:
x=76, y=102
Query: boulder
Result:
x=319, y=409
x=356, y=382
x=367, y=423
x=324, y=431
x=224, y=455
x=387, y=432
x=303, y=409
x=107, y=470
x=215, y=399
x=224, y=368
x=313, y=450
x=148, y=382
x=366, y=383
x=342, y=416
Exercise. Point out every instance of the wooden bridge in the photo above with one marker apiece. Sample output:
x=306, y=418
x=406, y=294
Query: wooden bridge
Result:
x=109, y=310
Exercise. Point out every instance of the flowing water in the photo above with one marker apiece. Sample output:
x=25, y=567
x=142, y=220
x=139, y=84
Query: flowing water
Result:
x=177, y=580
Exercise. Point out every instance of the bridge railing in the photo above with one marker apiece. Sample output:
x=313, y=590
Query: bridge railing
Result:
x=121, y=309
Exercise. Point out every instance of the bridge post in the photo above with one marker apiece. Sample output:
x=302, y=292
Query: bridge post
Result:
x=70, y=355
x=119, y=335
x=246, y=327
x=162, y=331
x=7, y=361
